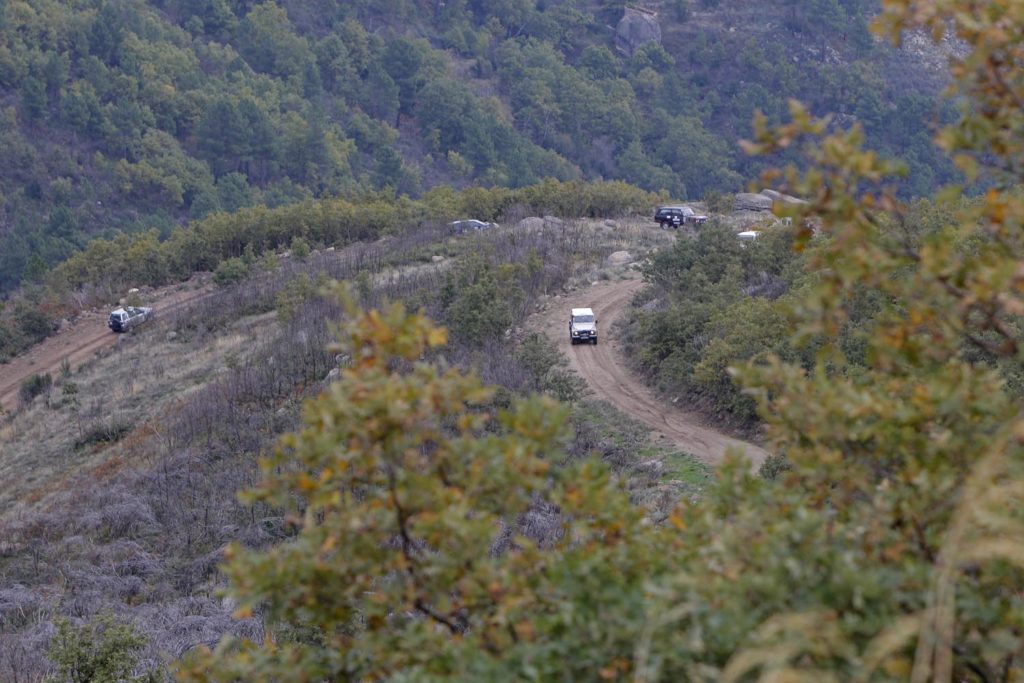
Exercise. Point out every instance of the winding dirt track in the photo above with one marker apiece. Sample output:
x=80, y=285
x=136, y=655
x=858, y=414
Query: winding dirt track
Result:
x=604, y=369
x=77, y=342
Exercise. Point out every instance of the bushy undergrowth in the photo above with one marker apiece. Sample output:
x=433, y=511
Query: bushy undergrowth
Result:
x=230, y=244
x=105, y=432
x=134, y=260
x=145, y=541
x=23, y=324
x=716, y=303
x=34, y=386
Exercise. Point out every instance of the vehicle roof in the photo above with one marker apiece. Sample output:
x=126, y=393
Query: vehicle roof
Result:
x=582, y=311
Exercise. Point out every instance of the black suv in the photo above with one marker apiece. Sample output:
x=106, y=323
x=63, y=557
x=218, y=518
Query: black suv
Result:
x=674, y=216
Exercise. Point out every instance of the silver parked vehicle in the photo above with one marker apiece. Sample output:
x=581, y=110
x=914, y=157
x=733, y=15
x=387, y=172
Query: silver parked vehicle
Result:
x=470, y=225
x=124, y=319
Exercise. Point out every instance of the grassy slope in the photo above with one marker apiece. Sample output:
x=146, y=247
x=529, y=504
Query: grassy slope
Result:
x=137, y=525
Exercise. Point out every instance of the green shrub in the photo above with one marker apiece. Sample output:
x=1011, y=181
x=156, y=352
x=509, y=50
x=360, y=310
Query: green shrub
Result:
x=773, y=466
x=719, y=202
x=300, y=248
x=479, y=301
x=102, y=651
x=11, y=341
x=33, y=386
x=231, y=271
x=548, y=369
x=32, y=321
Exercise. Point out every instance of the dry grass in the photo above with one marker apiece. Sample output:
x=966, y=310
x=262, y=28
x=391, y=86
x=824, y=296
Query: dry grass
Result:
x=135, y=520
x=127, y=387
x=639, y=237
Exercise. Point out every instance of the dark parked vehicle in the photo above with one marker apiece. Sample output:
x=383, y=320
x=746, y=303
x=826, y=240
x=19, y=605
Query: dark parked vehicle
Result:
x=124, y=319
x=675, y=216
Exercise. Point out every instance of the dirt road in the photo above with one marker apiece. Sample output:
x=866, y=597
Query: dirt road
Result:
x=604, y=369
x=78, y=342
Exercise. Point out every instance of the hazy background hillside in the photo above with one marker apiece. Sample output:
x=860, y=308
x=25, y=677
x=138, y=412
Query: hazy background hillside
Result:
x=130, y=115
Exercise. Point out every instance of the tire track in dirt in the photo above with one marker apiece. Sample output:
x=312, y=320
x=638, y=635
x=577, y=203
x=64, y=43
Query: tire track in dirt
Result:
x=604, y=369
x=78, y=342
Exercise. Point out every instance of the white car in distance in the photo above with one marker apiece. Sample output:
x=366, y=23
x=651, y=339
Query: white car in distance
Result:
x=582, y=326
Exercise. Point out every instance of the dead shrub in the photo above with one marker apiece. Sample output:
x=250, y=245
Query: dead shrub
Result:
x=19, y=607
x=105, y=432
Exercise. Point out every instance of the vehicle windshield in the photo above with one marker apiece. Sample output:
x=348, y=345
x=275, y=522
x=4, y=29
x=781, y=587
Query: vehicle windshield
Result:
x=583, y=319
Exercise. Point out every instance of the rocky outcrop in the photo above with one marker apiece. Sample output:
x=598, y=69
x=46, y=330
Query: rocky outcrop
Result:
x=782, y=198
x=537, y=223
x=532, y=223
x=636, y=28
x=764, y=200
x=619, y=258
x=748, y=201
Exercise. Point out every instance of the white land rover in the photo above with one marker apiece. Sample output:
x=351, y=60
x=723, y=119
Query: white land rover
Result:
x=582, y=326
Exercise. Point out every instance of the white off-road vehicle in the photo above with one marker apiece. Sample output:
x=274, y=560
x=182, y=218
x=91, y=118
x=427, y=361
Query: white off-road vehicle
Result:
x=582, y=326
x=124, y=319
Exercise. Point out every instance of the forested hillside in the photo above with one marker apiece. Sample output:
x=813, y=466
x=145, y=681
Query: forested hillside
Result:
x=124, y=115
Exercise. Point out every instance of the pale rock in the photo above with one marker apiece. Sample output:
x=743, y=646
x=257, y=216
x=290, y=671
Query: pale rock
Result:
x=636, y=28
x=651, y=306
x=776, y=196
x=651, y=466
x=531, y=223
x=619, y=258
x=748, y=201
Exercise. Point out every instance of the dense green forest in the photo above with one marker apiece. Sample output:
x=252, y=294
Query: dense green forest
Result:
x=133, y=115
